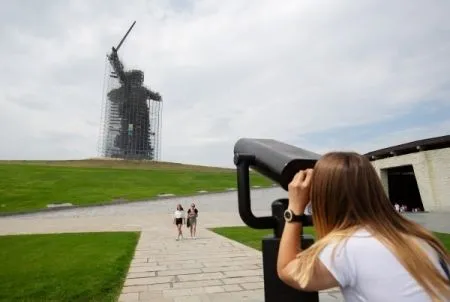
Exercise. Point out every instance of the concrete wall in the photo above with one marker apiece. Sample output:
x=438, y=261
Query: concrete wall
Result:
x=432, y=171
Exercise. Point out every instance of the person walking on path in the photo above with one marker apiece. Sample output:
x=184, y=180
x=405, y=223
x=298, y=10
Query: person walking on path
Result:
x=178, y=220
x=192, y=220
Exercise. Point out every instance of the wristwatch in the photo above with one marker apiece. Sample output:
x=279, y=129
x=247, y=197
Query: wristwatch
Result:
x=290, y=216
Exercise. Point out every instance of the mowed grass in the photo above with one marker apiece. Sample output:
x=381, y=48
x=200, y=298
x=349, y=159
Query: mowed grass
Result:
x=252, y=238
x=117, y=164
x=65, y=267
x=248, y=236
x=29, y=186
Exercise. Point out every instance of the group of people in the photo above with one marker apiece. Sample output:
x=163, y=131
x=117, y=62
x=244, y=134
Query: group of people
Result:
x=180, y=218
x=403, y=208
x=400, y=208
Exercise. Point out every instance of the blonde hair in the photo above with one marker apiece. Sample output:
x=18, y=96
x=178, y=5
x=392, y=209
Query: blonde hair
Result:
x=347, y=194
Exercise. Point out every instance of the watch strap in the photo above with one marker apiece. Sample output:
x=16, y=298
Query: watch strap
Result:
x=295, y=218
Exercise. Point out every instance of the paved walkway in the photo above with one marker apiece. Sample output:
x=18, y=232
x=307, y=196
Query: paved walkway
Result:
x=208, y=269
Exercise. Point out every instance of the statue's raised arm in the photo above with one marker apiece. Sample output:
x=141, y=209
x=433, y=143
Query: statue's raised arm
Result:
x=117, y=65
x=114, y=58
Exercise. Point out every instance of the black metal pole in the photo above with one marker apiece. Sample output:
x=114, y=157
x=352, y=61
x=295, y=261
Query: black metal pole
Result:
x=244, y=200
x=274, y=289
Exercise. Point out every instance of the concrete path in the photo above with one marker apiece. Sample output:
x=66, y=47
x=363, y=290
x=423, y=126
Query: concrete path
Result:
x=210, y=268
x=207, y=269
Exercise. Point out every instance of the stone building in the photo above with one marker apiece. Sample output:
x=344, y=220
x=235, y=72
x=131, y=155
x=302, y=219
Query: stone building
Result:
x=416, y=174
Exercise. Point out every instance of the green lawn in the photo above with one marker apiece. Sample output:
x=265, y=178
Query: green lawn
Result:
x=65, y=267
x=32, y=186
x=249, y=236
x=252, y=237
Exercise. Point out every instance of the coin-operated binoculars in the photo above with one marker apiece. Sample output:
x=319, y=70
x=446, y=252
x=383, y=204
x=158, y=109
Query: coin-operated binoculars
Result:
x=279, y=162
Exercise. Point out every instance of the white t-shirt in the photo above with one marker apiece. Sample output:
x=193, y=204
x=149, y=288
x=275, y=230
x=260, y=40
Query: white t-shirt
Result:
x=368, y=271
x=178, y=214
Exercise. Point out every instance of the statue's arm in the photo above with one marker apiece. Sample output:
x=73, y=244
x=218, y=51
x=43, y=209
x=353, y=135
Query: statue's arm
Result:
x=153, y=95
x=117, y=65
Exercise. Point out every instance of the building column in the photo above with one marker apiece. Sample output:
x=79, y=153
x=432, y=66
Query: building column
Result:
x=424, y=182
x=383, y=174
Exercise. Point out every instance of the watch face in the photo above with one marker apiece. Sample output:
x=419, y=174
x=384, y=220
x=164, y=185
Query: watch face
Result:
x=288, y=215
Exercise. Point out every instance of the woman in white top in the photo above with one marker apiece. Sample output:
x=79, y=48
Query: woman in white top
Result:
x=178, y=220
x=364, y=246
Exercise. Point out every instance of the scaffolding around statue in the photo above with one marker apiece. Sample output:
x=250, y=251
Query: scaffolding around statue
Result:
x=131, y=113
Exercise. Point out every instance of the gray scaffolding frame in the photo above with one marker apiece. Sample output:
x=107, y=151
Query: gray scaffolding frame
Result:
x=131, y=118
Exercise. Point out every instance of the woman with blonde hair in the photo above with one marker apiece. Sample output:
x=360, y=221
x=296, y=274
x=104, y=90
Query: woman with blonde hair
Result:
x=363, y=245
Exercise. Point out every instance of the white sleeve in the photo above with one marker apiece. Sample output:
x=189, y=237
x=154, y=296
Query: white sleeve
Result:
x=338, y=263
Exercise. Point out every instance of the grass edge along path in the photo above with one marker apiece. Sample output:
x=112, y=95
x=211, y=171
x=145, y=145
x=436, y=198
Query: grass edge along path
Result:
x=252, y=238
x=65, y=267
x=32, y=187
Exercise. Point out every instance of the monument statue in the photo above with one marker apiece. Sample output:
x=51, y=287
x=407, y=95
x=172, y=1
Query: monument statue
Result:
x=130, y=111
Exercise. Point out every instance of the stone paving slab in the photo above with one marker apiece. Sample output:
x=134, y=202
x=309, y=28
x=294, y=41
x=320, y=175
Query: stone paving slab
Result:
x=209, y=268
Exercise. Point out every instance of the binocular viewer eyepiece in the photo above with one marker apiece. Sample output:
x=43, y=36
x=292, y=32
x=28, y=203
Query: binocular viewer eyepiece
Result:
x=277, y=161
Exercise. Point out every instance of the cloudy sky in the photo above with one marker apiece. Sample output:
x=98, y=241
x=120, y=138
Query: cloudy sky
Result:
x=322, y=75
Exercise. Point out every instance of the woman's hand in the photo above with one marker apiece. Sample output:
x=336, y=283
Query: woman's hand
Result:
x=298, y=191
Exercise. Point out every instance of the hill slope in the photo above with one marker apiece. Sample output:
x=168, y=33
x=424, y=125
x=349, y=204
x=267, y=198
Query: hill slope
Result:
x=117, y=164
x=31, y=185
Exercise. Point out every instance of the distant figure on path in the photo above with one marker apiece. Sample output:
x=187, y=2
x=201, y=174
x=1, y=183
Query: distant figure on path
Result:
x=397, y=207
x=192, y=220
x=178, y=220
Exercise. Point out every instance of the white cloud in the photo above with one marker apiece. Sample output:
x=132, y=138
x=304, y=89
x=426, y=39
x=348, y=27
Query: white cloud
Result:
x=226, y=69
